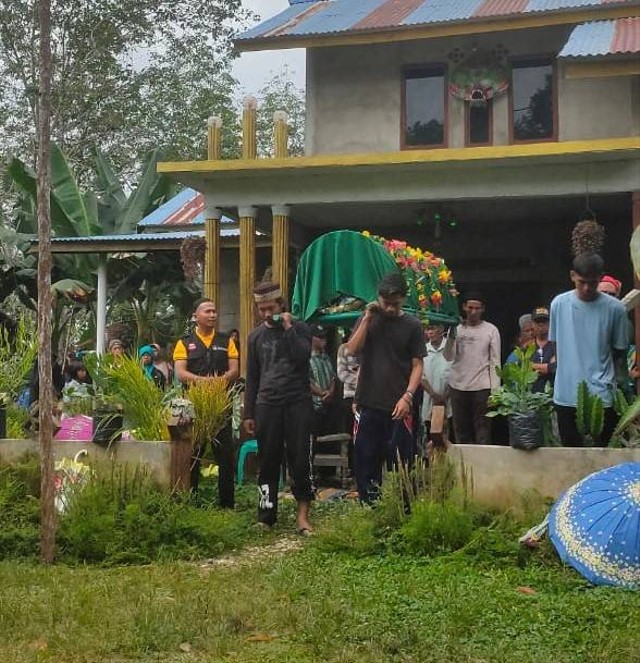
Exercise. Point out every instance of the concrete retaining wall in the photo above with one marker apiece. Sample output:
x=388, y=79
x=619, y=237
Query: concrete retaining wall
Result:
x=500, y=474
x=154, y=455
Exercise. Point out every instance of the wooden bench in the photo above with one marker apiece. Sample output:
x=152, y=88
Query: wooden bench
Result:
x=336, y=455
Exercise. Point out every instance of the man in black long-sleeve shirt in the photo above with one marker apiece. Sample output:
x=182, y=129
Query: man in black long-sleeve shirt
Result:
x=277, y=406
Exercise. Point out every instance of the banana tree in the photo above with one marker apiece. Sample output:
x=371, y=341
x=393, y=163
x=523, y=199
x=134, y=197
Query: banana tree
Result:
x=106, y=209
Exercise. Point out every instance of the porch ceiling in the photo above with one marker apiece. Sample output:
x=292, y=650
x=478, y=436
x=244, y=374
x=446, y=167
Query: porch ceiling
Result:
x=511, y=171
x=542, y=212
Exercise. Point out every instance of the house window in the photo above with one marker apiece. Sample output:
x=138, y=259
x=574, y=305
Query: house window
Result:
x=532, y=101
x=424, y=107
x=479, y=123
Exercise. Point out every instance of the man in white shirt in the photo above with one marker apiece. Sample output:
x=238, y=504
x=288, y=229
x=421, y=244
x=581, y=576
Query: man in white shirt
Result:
x=474, y=348
x=435, y=375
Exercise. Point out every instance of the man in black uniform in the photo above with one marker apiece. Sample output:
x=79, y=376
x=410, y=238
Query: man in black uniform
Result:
x=201, y=355
x=277, y=404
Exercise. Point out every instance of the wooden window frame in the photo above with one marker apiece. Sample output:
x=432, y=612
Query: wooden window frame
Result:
x=467, y=126
x=535, y=61
x=435, y=69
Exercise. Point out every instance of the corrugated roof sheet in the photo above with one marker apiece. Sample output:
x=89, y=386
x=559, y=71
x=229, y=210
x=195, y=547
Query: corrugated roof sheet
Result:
x=141, y=237
x=324, y=17
x=184, y=209
x=600, y=38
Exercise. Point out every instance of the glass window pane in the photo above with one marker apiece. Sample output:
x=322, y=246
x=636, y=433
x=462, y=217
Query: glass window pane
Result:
x=424, y=104
x=479, y=124
x=532, y=90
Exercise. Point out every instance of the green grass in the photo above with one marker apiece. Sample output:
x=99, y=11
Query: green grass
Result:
x=447, y=584
x=313, y=606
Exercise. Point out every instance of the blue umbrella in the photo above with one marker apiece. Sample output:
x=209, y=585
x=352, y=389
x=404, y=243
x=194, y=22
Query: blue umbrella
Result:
x=595, y=526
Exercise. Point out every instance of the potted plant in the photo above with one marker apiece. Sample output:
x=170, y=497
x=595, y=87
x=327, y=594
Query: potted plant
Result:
x=524, y=409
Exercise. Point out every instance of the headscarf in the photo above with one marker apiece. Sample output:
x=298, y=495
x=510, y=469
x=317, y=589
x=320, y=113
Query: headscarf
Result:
x=147, y=368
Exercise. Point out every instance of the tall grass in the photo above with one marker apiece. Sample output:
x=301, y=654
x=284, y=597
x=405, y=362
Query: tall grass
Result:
x=144, y=405
x=212, y=402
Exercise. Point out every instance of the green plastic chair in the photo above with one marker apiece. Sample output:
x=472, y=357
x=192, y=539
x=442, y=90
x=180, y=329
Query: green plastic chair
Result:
x=248, y=447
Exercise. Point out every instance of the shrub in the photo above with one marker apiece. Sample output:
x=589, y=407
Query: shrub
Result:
x=436, y=527
x=20, y=508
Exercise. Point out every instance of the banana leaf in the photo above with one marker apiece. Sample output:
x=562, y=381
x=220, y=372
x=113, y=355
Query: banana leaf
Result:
x=69, y=214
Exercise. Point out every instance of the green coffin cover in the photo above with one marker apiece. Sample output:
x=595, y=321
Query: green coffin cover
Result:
x=338, y=263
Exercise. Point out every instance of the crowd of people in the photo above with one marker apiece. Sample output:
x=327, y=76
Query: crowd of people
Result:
x=381, y=382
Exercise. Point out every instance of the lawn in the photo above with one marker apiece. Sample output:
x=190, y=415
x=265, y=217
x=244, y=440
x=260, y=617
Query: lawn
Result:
x=145, y=577
x=311, y=606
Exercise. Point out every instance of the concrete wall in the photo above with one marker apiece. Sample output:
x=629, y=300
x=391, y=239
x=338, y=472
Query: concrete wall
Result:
x=156, y=456
x=354, y=93
x=500, y=474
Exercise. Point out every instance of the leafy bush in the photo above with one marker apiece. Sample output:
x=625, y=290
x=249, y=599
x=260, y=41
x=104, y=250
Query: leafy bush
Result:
x=20, y=508
x=121, y=516
x=436, y=527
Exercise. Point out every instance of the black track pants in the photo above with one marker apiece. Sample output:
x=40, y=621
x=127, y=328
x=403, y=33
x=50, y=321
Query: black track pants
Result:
x=224, y=455
x=283, y=430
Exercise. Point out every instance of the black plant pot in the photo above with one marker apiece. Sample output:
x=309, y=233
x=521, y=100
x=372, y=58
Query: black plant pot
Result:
x=3, y=422
x=525, y=430
x=107, y=427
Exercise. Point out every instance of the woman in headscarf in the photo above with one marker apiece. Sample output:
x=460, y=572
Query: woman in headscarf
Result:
x=145, y=354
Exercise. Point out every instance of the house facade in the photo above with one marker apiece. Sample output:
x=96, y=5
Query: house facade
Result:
x=480, y=129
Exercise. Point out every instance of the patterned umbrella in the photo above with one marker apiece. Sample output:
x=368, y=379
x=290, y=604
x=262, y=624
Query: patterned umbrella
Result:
x=595, y=526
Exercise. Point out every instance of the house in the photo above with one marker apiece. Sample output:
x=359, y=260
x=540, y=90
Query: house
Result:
x=481, y=129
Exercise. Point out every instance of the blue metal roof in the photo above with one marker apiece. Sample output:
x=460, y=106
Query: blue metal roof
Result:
x=141, y=237
x=184, y=209
x=332, y=17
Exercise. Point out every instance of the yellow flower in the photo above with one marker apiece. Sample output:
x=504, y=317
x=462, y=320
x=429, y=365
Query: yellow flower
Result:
x=444, y=275
x=366, y=233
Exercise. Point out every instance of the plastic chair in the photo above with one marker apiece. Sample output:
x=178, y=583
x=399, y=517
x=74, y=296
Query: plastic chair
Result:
x=251, y=447
x=248, y=447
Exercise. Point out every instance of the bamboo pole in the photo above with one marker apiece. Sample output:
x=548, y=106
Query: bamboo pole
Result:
x=249, y=128
x=247, y=278
x=280, y=247
x=214, y=137
x=280, y=134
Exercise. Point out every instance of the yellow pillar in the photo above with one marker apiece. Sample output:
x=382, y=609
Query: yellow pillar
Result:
x=211, y=284
x=249, y=128
x=280, y=247
x=214, y=137
x=247, y=278
x=280, y=134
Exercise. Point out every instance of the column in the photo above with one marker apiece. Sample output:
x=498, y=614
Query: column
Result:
x=214, y=137
x=280, y=247
x=249, y=128
x=280, y=134
x=101, y=305
x=247, y=279
x=211, y=281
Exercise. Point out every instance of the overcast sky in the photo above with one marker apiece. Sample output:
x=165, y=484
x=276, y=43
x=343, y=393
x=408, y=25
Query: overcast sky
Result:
x=256, y=68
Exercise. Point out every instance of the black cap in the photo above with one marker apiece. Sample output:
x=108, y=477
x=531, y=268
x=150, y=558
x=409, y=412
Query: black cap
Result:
x=540, y=313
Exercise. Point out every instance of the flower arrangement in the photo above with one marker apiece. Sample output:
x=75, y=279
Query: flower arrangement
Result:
x=426, y=274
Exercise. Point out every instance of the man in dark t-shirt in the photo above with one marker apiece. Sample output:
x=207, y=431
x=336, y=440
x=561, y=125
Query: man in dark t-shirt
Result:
x=277, y=404
x=390, y=347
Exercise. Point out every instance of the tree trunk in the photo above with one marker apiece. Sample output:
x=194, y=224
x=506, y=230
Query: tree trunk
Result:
x=45, y=397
